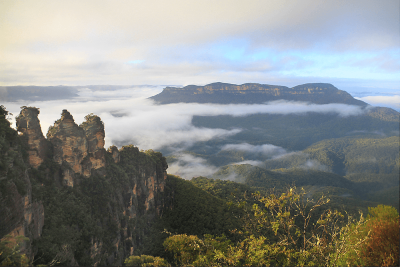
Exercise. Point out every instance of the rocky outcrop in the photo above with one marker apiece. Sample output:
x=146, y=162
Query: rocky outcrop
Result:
x=113, y=150
x=69, y=145
x=79, y=149
x=94, y=131
x=69, y=141
x=28, y=124
x=148, y=180
x=143, y=199
x=119, y=197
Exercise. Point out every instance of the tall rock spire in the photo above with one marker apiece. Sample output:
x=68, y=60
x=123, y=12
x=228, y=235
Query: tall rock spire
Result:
x=69, y=145
x=94, y=131
x=28, y=124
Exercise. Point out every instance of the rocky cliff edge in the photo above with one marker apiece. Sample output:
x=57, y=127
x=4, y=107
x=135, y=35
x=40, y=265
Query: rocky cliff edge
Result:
x=110, y=199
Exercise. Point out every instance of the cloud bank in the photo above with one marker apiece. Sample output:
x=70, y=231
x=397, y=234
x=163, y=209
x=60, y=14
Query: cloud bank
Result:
x=188, y=166
x=130, y=119
x=392, y=101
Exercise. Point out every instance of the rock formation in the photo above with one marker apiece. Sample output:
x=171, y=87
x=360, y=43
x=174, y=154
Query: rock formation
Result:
x=94, y=131
x=20, y=213
x=119, y=197
x=28, y=124
x=69, y=145
x=113, y=150
x=80, y=149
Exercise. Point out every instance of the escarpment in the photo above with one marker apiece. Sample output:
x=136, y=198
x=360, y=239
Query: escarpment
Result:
x=253, y=93
x=81, y=204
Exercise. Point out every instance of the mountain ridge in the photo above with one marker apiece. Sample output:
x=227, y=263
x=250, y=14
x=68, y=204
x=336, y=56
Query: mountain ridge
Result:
x=254, y=93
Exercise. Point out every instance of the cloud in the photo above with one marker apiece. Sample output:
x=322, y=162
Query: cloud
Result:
x=188, y=166
x=182, y=22
x=137, y=42
x=285, y=107
x=130, y=118
x=257, y=163
x=312, y=164
x=294, y=160
x=266, y=150
x=392, y=101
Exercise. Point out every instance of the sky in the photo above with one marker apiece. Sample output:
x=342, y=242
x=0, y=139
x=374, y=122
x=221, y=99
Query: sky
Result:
x=351, y=44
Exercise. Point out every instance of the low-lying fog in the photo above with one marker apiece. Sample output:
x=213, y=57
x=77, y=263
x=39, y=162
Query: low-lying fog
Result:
x=130, y=118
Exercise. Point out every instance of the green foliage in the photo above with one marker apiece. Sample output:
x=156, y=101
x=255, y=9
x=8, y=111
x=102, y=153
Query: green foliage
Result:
x=191, y=250
x=196, y=212
x=381, y=240
x=226, y=190
x=68, y=227
x=300, y=232
x=10, y=254
x=358, y=155
x=12, y=156
x=146, y=260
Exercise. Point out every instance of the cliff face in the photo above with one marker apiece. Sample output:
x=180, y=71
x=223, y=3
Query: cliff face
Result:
x=20, y=213
x=22, y=216
x=95, y=206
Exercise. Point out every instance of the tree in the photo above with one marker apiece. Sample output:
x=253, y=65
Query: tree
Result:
x=305, y=232
x=286, y=230
x=146, y=260
x=381, y=232
x=10, y=254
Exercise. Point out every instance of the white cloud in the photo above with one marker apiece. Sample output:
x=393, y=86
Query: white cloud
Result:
x=314, y=165
x=188, y=166
x=257, y=163
x=266, y=150
x=392, y=101
x=129, y=118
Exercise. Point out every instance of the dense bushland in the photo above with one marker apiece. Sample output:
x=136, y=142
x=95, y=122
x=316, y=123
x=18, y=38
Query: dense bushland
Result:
x=290, y=229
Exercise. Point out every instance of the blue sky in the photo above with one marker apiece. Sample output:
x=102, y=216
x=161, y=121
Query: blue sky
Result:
x=351, y=44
